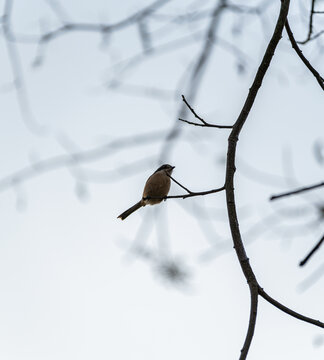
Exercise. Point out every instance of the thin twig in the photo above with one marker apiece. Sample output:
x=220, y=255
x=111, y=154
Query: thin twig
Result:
x=318, y=77
x=200, y=193
x=185, y=196
x=298, y=191
x=312, y=252
x=207, y=124
x=204, y=123
x=312, y=37
x=193, y=111
x=183, y=187
x=287, y=310
x=310, y=27
x=312, y=278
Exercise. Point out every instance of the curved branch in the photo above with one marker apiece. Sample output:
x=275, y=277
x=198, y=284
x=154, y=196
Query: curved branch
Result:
x=317, y=75
x=288, y=311
x=252, y=321
x=230, y=170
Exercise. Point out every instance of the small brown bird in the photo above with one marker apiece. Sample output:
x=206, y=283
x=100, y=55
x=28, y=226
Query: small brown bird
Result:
x=156, y=188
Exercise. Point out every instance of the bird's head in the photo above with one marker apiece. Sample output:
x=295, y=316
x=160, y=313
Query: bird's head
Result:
x=167, y=168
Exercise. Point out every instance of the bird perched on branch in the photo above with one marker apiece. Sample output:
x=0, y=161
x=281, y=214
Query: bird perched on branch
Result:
x=156, y=189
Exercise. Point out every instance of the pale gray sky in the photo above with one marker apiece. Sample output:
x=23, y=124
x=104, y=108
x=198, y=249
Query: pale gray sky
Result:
x=70, y=288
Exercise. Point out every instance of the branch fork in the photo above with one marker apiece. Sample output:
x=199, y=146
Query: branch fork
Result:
x=203, y=122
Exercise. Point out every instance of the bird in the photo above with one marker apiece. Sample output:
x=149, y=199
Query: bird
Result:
x=155, y=190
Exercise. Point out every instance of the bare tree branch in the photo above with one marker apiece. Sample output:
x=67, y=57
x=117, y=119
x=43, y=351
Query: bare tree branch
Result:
x=310, y=35
x=317, y=35
x=255, y=289
x=77, y=158
x=312, y=278
x=289, y=311
x=190, y=194
x=252, y=320
x=197, y=72
x=17, y=73
x=310, y=26
x=318, y=77
x=183, y=187
x=230, y=171
x=298, y=191
x=195, y=193
x=204, y=123
x=312, y=252
x=133, y=19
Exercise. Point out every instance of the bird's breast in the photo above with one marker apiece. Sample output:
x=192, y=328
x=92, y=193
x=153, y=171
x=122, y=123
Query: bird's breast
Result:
x=156, y=188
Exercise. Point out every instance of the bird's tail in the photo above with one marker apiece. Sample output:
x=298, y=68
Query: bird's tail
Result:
x=126, y=213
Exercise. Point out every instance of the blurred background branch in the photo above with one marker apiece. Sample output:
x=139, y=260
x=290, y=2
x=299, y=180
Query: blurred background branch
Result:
x=98, y=89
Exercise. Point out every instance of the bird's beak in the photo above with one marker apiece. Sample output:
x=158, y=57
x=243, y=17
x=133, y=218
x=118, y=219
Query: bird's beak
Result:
x=173, y=167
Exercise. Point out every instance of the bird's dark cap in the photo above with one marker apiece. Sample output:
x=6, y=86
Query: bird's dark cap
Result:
x=165, y=167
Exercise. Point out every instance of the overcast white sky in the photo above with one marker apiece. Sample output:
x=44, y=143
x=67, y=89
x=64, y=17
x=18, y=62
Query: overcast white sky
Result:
x=70, y=285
